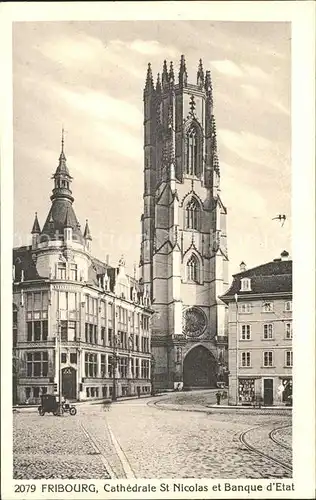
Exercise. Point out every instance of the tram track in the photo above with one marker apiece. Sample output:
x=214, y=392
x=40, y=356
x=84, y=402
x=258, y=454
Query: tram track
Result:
x=277, y=441
x=250, y=447
x=120, y=456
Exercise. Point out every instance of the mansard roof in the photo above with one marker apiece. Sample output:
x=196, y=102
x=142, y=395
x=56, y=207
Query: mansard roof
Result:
x=271, y=278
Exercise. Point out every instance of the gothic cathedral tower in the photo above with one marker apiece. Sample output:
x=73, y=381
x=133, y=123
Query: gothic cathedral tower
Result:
x=184, y=261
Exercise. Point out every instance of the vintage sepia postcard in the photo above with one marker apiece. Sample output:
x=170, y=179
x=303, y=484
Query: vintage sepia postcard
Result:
x=157, y=250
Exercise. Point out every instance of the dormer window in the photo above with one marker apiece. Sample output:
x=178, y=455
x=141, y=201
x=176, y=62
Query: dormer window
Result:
x=245, y=284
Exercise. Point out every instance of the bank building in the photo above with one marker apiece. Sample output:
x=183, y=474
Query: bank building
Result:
x=77, y=321
x=184, y=259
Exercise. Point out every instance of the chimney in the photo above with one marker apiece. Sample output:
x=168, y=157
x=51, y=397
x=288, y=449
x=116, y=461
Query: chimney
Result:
x=285, y=255
x=242, y=267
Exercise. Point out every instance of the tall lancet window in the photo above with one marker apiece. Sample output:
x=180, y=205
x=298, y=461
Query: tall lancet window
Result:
x=192, y=214
x=193, y=269
x=192, y=152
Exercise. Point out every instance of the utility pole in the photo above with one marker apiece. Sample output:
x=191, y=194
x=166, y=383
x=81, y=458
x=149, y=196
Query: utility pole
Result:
x=59, y=365
x=237, y=351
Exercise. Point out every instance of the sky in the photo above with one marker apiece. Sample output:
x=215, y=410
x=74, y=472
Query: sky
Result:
x=89, y=78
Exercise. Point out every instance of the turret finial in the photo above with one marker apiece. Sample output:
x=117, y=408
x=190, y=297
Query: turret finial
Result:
x=149, y=86
x=183, y=76
x=200, y=74
x=165, y=76
x=62, y=139
x=171, y=74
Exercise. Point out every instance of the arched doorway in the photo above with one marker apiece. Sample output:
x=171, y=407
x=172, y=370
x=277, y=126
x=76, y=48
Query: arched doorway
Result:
x=69, y=385
x=199, y=368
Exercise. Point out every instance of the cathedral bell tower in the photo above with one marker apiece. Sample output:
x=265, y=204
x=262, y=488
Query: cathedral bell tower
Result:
x=184, y=260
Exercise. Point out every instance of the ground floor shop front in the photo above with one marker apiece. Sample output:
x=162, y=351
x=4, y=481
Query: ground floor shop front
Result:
x=261, y=390
x=82, y=374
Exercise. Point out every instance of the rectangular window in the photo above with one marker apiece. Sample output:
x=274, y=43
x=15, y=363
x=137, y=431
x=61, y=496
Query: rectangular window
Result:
x=44, y=390
x=110, y=335
x=73, y=358
x=63, y=301
x=64, y=331
x=27, y=392
x=268, y=331
x=245, y=332
x=71, y=331
x=267, y=307
x=289, y=358
x=245, y=359
x=122, y=366
x=245, y=308
x=245, y=284
x=63, y=357
x=268, y=358
x=91, y=365
x=288, y=331
x=37, y=301
x=61, y=271
x=44, y=330
x=103, y=366
x=36, y=391
x=37, y=364
x=29, y=331
x=288, y=306
x=73, y=272
x=37, y=330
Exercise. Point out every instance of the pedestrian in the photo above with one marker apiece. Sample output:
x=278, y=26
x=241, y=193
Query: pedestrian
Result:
x=138, y=392
x=218, y=398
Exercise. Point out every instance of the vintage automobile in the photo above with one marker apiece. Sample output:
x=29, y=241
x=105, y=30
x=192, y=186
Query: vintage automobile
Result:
x=50, y=404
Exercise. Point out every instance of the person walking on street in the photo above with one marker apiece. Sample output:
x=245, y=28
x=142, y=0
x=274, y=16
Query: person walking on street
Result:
x=218, y=398
x=138, y=392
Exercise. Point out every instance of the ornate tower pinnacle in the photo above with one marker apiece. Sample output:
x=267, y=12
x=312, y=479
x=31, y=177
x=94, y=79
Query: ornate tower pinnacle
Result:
x=200, y=74
x=171, y=74
x=165, y=76
x=183, y=76
x=149, y=85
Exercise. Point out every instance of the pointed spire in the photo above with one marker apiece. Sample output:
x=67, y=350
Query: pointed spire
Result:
x=200, y=74
x=87, y=234
x=36, y=227
x=165, y=77
x=62, y=167
x=171, y=74
x=149, y=86
x=183, y=76
x=158, y=85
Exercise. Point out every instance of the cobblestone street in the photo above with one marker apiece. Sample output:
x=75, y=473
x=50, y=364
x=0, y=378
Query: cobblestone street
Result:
x=137, y=438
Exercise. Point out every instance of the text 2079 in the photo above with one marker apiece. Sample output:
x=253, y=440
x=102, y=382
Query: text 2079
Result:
x=24, y=488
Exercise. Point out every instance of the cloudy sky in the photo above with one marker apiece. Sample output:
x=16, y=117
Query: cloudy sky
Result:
x=89, y=77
